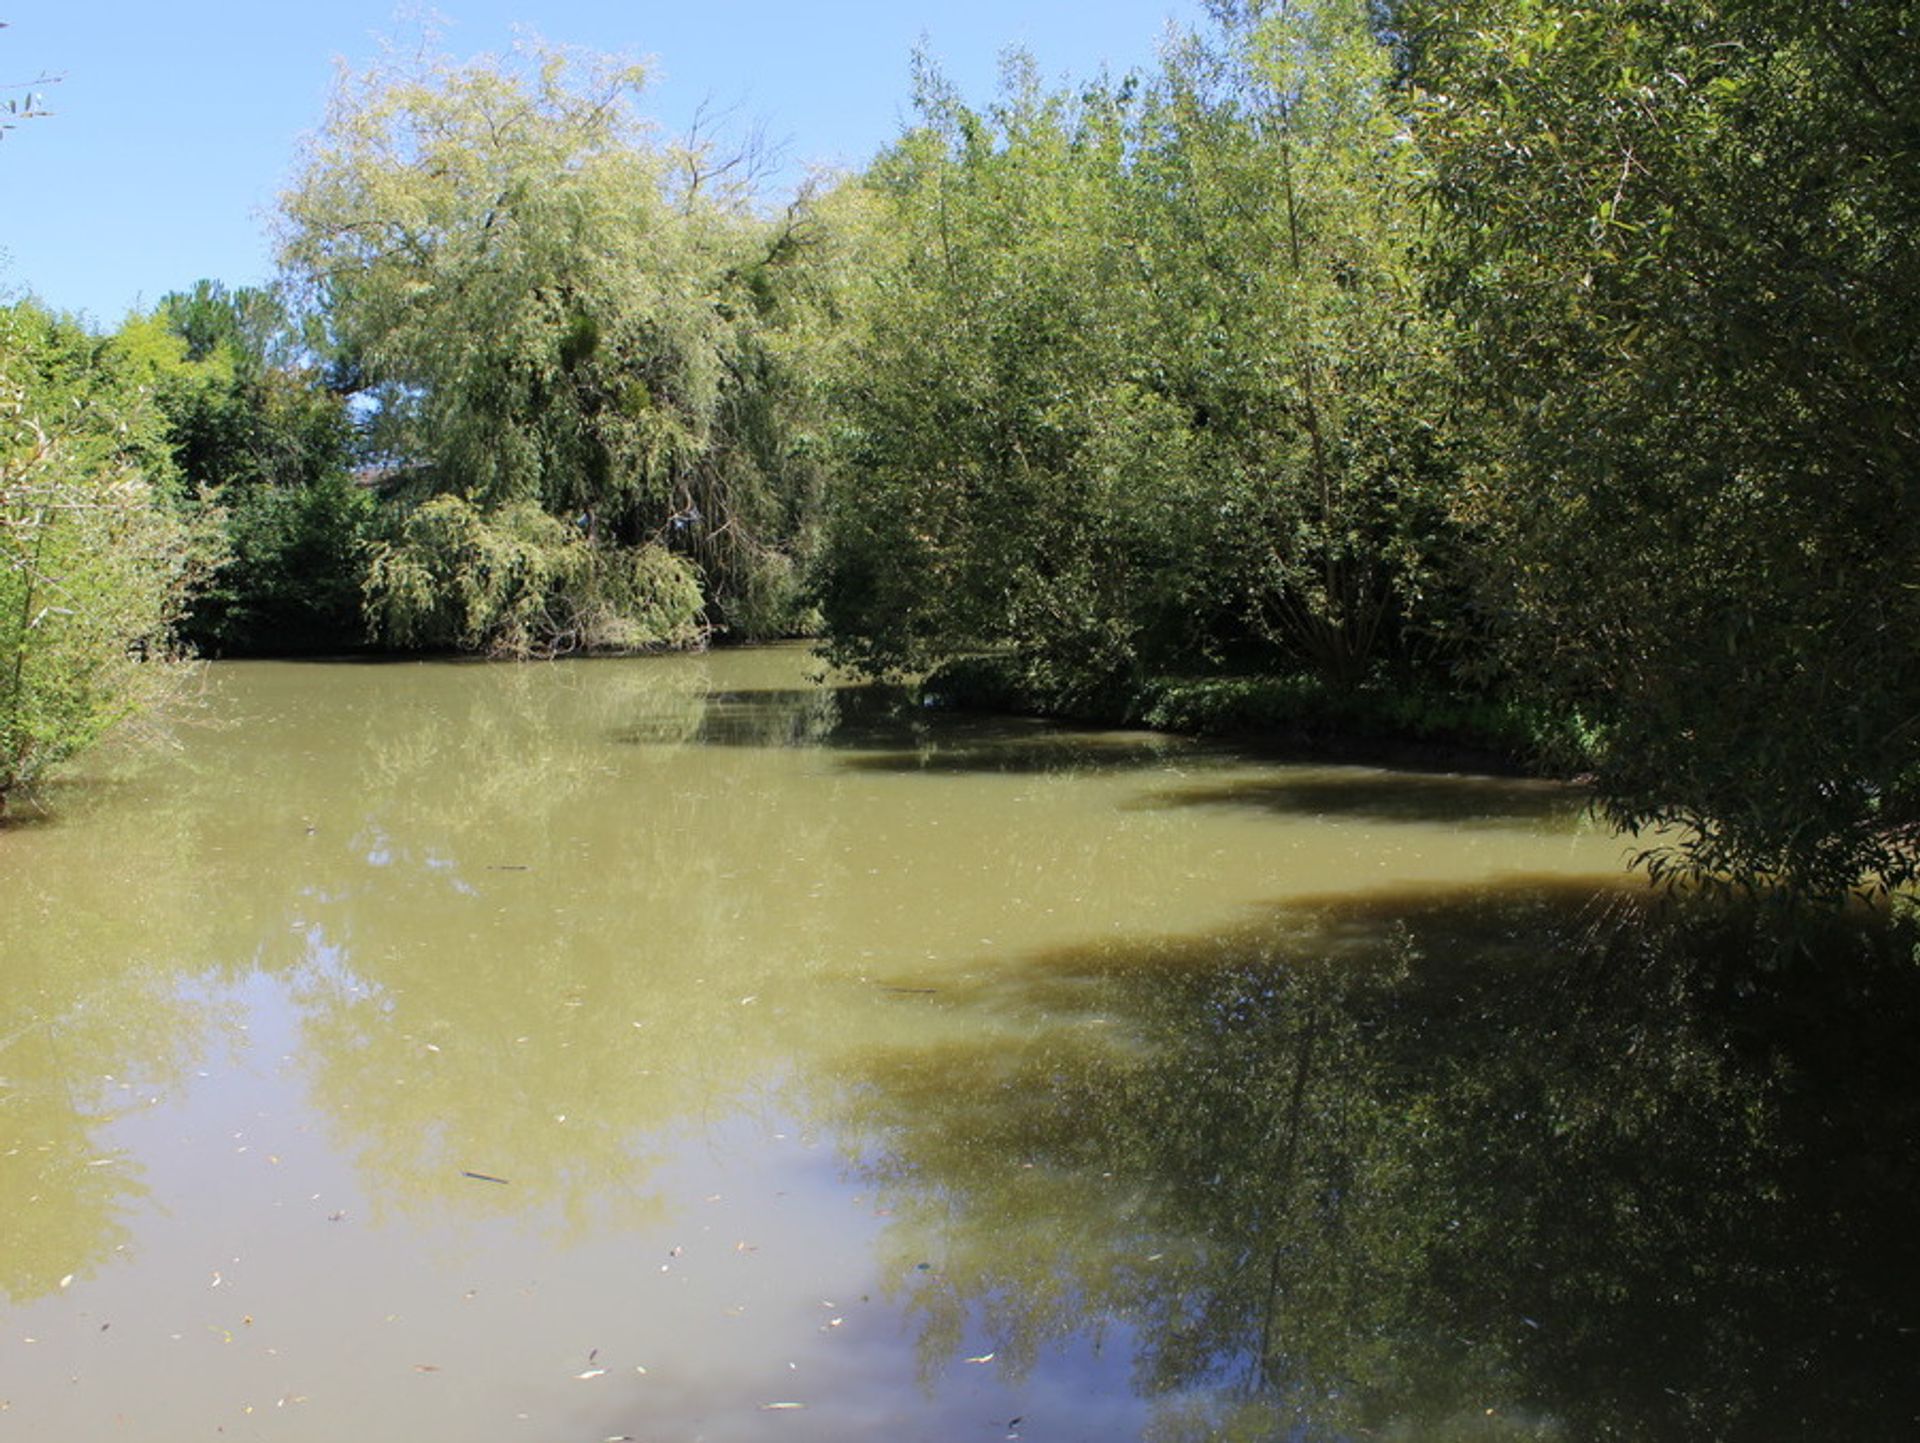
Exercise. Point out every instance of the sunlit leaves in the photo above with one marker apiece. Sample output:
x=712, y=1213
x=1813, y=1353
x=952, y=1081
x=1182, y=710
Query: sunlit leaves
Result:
x=1682, y=237
x=95, y=563
x=1144, y=372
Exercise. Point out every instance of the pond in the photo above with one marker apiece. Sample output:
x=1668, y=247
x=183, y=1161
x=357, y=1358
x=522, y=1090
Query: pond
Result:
x=679, y=1048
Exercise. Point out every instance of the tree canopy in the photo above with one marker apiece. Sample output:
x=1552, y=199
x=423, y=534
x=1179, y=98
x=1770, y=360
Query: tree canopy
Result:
x=97, y=554
x=546, y=308
x=1143, y=376
x=1684, y=243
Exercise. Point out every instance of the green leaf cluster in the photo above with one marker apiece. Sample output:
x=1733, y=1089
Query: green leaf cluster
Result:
x=1144, y=377
x=251, y=419
x=546, y=308
x=516, y=582
x=1683, y=243
x=97, y=552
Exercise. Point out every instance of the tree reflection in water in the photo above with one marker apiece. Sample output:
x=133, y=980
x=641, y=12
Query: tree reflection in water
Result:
x=1529, y=1163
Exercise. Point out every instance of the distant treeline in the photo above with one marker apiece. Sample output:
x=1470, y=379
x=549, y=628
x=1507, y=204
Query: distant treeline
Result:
x=1527, y=373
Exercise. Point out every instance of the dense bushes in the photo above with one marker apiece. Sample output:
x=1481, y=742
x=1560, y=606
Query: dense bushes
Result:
x=1144, y=377
x=98, y=550
x=518, y=582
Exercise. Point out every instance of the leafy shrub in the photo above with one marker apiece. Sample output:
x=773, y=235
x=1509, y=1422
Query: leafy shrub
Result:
x=518, y=582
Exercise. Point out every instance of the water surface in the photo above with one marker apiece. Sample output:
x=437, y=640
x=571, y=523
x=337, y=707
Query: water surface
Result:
x=677, y=1048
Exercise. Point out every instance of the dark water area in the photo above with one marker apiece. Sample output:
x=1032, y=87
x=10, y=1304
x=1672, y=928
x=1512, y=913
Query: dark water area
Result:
x=683, y=1049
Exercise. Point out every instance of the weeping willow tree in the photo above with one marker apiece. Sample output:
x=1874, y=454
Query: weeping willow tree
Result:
x=545, y=308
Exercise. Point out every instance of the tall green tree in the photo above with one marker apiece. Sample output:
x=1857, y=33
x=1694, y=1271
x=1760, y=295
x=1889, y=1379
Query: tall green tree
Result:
x=252, y=418
x=1684, y=240
x=1284, y=237
x=544, y=306
x=1145, y=377
x=97, y=553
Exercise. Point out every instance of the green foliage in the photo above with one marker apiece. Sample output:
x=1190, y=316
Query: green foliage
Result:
x=250, y=420
x=496, y=249
x=95, y=561
x=1144, y=375
x=1305, y=709
x=518, y=582
x=1685, y=241
x=549, y=310
x=293, y=580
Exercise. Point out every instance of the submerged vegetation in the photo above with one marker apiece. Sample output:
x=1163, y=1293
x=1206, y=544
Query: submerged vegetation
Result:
x=1535, y=377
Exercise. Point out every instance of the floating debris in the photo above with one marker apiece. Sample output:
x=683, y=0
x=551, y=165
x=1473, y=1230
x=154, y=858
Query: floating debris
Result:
x=484, y=1177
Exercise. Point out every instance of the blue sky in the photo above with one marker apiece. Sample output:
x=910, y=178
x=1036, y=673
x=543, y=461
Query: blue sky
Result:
x=176, y=124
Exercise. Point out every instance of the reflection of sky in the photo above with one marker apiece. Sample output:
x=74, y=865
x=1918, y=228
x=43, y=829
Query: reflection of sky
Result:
x=270, y=1274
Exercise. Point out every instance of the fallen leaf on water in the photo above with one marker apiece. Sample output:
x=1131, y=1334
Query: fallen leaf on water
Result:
x=426, y=1367
x=983, y=1358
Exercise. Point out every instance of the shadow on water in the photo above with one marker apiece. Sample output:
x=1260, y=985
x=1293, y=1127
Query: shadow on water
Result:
x=881, y=729
x=1389, y=797
x=1532, y=1162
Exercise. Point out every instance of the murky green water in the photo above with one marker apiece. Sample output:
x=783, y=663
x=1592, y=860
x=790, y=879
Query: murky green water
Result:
x=673, y=1049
